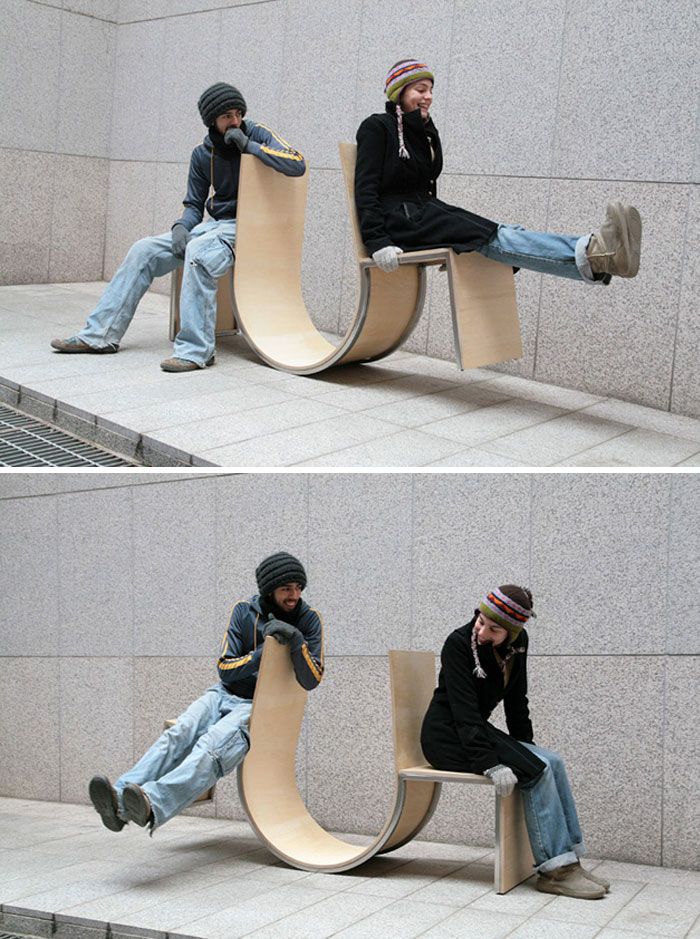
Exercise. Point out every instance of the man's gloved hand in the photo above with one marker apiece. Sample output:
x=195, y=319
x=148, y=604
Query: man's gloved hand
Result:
x=503, y=779
x=387, y=259
x=284, y=633
x=234, y=135
x=180, y=237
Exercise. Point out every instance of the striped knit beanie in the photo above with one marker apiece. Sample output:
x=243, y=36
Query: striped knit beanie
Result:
x=399, y=75
x=279, y=569
x=500, y=606
x=402, y=74
x=218, y=99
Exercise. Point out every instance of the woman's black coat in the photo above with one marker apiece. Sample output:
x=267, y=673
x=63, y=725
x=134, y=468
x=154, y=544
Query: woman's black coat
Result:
x=397, y=200
x=456, y=734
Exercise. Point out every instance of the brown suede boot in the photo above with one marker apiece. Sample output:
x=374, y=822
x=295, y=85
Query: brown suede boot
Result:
x=596, y=878
x=569, y=881
x=183, y=365
x=616, y=248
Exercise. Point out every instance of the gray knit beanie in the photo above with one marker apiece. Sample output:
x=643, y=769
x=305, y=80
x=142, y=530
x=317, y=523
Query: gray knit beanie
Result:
x=217, y=99
x=279, y=569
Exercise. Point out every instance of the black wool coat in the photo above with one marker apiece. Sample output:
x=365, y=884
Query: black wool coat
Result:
x=397, y=200
x=456, y=734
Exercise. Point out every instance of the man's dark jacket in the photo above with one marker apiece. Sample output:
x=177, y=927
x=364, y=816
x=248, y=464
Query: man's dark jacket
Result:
x=215, y=166
x=242, y=645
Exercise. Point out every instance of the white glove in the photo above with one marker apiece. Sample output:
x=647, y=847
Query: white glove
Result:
x=503, y=779
x=387, y=259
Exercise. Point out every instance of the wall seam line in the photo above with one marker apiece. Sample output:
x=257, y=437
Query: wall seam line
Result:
x=684, y=244
x=664, y=683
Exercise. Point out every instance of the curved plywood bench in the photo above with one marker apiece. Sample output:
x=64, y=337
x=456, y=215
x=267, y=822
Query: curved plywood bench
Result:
x=270, y=797
x=266, y=304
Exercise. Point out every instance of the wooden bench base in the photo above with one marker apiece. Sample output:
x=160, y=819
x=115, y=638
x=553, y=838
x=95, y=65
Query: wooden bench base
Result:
x=270, y=797
x=225, y=313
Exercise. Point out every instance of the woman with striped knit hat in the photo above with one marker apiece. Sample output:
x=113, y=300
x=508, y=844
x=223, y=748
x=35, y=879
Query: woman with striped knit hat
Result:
x=399, y=159
x=483, y=663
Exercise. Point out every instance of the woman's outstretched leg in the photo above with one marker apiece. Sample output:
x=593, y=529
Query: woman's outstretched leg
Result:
x=613, y=250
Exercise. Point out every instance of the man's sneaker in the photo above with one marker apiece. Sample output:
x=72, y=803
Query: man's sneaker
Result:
x=73, y=344
x=137, y=805
x=616, y=248
x=182, y=365
x=103, y=796
x=569, y=881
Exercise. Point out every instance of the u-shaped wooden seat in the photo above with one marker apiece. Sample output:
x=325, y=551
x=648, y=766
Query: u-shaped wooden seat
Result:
x=270, y=797
x=267, y=306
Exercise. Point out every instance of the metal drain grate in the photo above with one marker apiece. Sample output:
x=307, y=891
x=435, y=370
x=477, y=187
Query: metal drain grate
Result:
x=25, y=441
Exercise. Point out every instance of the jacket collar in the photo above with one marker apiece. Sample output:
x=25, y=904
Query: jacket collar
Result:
x=412, y=119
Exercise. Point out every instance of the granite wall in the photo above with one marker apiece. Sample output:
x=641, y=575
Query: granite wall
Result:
x=116, y=589
x=56, y=87
x=543, y=118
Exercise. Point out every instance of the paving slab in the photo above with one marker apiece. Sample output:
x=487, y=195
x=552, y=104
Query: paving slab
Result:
x=405, y=410
x=205, y=878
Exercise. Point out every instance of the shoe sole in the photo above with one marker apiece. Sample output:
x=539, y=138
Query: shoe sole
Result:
x=629, y=224
x=89, y=351
x=136, y=808
x=197, y=368
x=104, y=799
x=560, y=890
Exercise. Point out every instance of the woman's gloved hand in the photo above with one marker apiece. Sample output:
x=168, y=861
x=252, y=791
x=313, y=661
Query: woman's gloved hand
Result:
x=503, y=779
x=387, y=259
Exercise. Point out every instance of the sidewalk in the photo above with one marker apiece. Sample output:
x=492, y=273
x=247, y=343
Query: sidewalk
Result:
x=64, y=874
x=407, y=410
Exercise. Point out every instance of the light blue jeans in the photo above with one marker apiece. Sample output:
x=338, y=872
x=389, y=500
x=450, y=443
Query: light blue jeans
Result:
x=550, y=814
x=209, y=254
x=561, y=255
x=207, y=742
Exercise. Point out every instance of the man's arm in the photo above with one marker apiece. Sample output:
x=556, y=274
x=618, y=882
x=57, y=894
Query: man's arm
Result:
x=197, y=191
x=307, y=655
x=273, y=151
x=237, y=659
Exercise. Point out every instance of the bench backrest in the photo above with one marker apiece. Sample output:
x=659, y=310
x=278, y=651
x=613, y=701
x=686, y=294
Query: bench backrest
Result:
x=412, y=685
x=348, y=159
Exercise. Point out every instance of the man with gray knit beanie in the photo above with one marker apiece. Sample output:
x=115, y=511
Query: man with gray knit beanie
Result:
x=211, y=738
x=205, y=249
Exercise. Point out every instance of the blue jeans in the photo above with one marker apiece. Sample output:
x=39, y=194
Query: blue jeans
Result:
x=550, y=814
x=209, y=254
x=562, y=255
x=208, y=741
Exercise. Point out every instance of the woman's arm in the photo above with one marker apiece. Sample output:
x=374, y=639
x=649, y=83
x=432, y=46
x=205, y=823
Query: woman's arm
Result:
x=371, y=147
x=471, y=728
x=515, y=703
